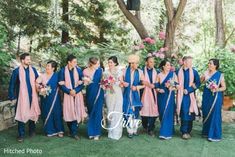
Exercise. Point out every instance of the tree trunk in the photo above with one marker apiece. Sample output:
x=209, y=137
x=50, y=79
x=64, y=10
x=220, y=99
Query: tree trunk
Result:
x=18, y=43
x=173, y=19
x=135, y=21
x=30, y=45
x=65, y=18
x=220, y=34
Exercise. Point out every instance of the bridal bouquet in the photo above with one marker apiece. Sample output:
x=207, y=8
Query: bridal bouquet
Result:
x=107, y=83
x=44, y=90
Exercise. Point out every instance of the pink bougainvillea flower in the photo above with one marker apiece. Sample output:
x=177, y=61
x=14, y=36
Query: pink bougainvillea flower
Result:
x=166, y=48
x=162, y=56
x=157, y=54
x=141, y=46
x=147, y=40
x=233, y=48
x=162, y=49
x=154, y=53
x=162, y=36
x=152, y=41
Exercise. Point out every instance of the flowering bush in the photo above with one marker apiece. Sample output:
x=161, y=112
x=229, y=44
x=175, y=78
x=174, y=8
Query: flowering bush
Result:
x=155, y=48
x=152, y=47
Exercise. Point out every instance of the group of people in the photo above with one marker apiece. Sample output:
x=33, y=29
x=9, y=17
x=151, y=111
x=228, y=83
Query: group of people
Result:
x=132, y=96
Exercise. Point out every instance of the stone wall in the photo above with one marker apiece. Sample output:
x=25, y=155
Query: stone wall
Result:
x=7, y=114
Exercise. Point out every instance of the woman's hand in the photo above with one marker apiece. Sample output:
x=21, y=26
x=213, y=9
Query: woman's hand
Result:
x=134, y=88
x=160, y=90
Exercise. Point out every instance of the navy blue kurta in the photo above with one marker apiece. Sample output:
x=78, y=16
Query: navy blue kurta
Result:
x=62, y=78
x=14, y=86
x=184, y=112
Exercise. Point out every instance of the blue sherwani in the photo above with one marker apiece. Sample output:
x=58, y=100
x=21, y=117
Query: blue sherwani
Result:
x=148, y=122
x=73, y=126
x=13, y=93
x=187, y=117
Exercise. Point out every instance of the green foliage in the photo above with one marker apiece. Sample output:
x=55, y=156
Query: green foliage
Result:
x=5, y=57
x=83, y=51
x=227, y=67
x=25, y=17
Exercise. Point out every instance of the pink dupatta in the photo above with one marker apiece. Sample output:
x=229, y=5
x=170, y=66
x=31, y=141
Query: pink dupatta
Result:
x=193, y=105
x=23, y=111
x=149, y=98
x=73, y=107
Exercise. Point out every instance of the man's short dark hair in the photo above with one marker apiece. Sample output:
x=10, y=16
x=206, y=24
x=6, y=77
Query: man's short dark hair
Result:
x=186, y=58
x=70, y=58
x=23, y=56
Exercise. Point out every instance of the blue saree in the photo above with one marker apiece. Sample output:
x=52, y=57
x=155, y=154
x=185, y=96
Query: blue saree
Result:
x=211, y=110
x=166, y=107
x=51, y=108
x=94, y=101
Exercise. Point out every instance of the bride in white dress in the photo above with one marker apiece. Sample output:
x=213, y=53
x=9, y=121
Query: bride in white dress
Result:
x=114, y=100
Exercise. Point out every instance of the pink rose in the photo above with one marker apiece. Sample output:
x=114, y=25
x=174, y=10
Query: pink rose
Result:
x=162, y=36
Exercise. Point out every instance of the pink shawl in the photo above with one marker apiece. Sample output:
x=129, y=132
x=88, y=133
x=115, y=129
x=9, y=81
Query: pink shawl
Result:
x=193, y=105
x=73, y=107
x=149, y=98
x=23, y=111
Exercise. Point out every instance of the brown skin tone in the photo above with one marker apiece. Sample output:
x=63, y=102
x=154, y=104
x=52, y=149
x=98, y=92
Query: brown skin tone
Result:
x=92, y=68
x=26, y=62
x=188, y=63
x=49, y=69
x=165, y=71
x=150, y=64
x=111, y=64
x=134, y=66
x=212, y=69
x=72, y=64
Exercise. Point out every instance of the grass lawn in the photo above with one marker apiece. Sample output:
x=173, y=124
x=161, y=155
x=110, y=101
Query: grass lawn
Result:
x=140, y=146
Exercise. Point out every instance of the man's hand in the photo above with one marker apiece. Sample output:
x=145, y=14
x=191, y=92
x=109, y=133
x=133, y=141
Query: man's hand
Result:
x=185, y=91
x=72, y=92
x=80, y=82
